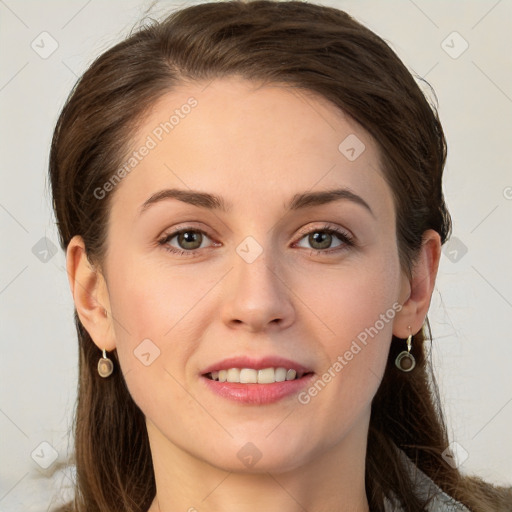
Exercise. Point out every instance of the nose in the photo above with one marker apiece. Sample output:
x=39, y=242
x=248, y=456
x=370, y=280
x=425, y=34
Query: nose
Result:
x=258, y=298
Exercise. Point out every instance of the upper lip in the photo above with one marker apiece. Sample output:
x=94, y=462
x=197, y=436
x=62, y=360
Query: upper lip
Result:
x=256, y=364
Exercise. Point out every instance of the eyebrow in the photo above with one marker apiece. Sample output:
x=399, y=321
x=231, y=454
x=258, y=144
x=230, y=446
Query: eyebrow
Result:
x=215, y=202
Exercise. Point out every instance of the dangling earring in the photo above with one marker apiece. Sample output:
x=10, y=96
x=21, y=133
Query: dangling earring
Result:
x=405, y=360
x=105, y=366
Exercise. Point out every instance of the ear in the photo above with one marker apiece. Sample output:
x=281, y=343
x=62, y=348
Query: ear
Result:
x=90, y=294
x=416, y=292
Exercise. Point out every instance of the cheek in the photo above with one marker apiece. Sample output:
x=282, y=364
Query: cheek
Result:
x=160, y=316
x=155, y=298
x=352, y=297
x=154, y=313
x=357, y=307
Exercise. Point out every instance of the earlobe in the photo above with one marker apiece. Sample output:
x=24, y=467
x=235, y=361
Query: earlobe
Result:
x=415, y=307
x=90, y=295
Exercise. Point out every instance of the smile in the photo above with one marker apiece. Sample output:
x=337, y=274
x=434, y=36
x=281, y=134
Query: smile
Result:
x=252, y=376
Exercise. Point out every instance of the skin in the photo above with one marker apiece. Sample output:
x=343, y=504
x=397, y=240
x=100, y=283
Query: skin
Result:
x=256, y=146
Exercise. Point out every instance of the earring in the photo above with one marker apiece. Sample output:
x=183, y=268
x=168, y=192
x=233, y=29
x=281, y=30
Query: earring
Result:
x=105, y=366
x=405, y=360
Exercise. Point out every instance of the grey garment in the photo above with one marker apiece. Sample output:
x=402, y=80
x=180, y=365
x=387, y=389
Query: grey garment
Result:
x=425, y=488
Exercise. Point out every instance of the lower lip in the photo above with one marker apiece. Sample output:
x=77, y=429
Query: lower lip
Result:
x=257, y=394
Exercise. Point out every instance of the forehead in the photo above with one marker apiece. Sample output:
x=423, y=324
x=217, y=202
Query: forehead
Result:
x=242, y=141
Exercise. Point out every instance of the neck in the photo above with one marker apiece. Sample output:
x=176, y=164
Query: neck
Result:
x=331, y=479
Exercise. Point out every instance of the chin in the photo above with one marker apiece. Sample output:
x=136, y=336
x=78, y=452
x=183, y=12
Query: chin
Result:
x=248, y=464
x=260, y=454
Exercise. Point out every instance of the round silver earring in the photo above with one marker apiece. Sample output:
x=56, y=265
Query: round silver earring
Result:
x=105, y=366
x=405, y=360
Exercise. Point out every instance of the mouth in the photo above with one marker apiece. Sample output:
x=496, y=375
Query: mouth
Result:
x=250, y=381
x=268, y=375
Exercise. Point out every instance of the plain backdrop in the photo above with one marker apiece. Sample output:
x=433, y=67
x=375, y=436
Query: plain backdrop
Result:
x=462, y=48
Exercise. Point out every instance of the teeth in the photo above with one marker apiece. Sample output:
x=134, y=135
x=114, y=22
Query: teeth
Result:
x=291, y=374
x=251, y=376
x=233, y=375
x=280, y=374
x=266, y=376
x=248, y=376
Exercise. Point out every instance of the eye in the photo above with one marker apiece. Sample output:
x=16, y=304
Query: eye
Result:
x=188, y=241
x=321, y=240
x=185, y=241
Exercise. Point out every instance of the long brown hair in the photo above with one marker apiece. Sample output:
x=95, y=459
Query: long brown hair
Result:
x=305, y=46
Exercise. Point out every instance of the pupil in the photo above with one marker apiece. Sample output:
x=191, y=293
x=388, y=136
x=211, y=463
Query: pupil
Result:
x=322, y=238
x=190, y=240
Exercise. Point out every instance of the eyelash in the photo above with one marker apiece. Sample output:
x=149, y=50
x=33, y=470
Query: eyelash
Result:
x=343, y=236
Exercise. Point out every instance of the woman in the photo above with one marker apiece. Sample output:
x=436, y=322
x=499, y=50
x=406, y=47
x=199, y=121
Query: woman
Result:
x=249, y=194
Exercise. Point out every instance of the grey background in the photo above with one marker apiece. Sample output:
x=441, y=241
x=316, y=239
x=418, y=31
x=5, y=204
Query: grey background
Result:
x=471, y=306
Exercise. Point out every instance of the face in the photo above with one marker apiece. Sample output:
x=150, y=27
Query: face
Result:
x=259, y=269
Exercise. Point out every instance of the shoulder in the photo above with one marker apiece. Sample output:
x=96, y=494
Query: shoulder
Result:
x=437, y=500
